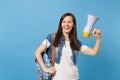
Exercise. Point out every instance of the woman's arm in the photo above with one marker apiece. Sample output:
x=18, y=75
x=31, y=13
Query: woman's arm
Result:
x=95, y=50
x=38, y=54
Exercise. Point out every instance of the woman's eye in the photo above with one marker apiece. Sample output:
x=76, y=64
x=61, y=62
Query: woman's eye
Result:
x=67, y=22
x=63, y=22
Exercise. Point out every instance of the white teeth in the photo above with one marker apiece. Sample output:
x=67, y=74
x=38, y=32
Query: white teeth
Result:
x=66, y=27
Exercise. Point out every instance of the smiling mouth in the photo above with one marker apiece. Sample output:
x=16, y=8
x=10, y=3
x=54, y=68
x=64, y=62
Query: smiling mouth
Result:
x=66, y=27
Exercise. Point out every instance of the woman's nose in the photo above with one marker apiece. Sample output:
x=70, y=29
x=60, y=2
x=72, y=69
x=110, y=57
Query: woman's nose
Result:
x=66, y=23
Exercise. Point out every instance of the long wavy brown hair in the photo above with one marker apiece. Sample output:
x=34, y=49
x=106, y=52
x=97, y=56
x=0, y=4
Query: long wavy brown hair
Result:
x=72, y=36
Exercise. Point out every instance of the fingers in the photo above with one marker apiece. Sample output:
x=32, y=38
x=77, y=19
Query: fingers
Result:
x=52, y=70
x=97, y=33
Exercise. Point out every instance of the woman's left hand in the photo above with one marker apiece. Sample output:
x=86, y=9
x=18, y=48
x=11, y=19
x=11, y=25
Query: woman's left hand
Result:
x=97, y=33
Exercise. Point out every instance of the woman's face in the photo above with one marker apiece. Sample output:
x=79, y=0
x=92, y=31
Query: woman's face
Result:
x=67, y=24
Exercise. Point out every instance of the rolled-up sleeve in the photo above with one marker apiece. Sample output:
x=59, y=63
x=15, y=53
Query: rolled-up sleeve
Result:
x=83, y=48
x=46, y=43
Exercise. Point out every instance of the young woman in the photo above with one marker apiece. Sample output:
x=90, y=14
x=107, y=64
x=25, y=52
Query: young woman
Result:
x=67, y=48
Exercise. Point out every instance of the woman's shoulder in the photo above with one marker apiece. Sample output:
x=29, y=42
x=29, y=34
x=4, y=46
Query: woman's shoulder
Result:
x=51, y=36
x=79, y=43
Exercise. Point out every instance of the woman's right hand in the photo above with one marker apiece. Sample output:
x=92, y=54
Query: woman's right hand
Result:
x=51, y=70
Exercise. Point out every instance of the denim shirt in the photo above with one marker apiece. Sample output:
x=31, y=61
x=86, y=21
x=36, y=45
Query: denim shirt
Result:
x=50, y=38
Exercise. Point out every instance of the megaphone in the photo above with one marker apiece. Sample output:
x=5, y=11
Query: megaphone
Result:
x=88, y=29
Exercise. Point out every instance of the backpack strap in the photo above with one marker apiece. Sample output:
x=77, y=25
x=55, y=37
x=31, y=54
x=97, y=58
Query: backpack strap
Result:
x=53, y=55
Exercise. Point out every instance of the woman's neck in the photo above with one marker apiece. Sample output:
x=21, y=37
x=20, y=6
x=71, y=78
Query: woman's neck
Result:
x=66, y=36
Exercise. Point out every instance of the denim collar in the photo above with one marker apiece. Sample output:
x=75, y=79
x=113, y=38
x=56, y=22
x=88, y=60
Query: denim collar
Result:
x=59, y=54
x=62, y=38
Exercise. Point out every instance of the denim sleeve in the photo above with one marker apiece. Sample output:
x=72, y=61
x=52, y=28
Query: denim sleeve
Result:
x=50, y=37
x=79, y=44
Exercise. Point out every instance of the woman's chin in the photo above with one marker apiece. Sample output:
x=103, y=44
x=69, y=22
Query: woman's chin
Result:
x=67, y=32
